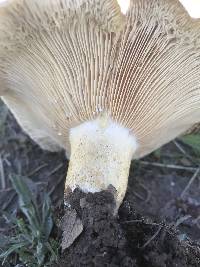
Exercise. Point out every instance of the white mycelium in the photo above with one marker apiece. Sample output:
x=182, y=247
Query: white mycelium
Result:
x=101, y=152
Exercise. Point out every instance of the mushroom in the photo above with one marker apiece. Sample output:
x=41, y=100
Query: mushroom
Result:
x=106, y=87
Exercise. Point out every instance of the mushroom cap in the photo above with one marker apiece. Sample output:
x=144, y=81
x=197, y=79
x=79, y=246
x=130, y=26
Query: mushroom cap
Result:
x=65, y=62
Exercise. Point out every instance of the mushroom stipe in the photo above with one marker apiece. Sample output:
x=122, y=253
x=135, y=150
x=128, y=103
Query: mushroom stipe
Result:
x=105, y=87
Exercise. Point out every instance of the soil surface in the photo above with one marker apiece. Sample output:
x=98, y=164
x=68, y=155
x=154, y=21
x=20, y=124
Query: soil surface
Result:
x=158, y=223
x=126, y=240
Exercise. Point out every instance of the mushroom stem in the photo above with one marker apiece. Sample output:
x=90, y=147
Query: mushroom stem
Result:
x=101, y=153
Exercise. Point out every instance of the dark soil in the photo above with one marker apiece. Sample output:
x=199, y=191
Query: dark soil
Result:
x=158, y=223
x=126, y=240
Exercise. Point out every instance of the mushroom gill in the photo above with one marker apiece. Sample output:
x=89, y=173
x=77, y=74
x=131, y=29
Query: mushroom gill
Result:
x=104, y=86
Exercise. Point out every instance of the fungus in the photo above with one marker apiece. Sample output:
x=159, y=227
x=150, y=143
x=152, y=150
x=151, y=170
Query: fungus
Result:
x=106, y=87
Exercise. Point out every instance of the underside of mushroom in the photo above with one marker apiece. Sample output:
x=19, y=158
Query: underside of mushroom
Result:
x=106, y=87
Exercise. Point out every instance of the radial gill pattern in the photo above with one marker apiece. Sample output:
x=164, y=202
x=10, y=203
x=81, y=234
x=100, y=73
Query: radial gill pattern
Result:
x=64, y=62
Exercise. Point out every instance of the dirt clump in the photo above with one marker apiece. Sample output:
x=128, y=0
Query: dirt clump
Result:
x=128, y=239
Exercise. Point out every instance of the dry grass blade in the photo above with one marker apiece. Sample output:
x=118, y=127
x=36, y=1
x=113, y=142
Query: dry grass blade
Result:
x=190, y=182
x=152, y=238
x=180, y=148
x=182, y=219
x=168, y=166
x=37, y=169
x=2, y=175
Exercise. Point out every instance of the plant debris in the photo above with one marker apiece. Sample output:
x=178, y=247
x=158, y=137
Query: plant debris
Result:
x=127, y=240
x=72, y=228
